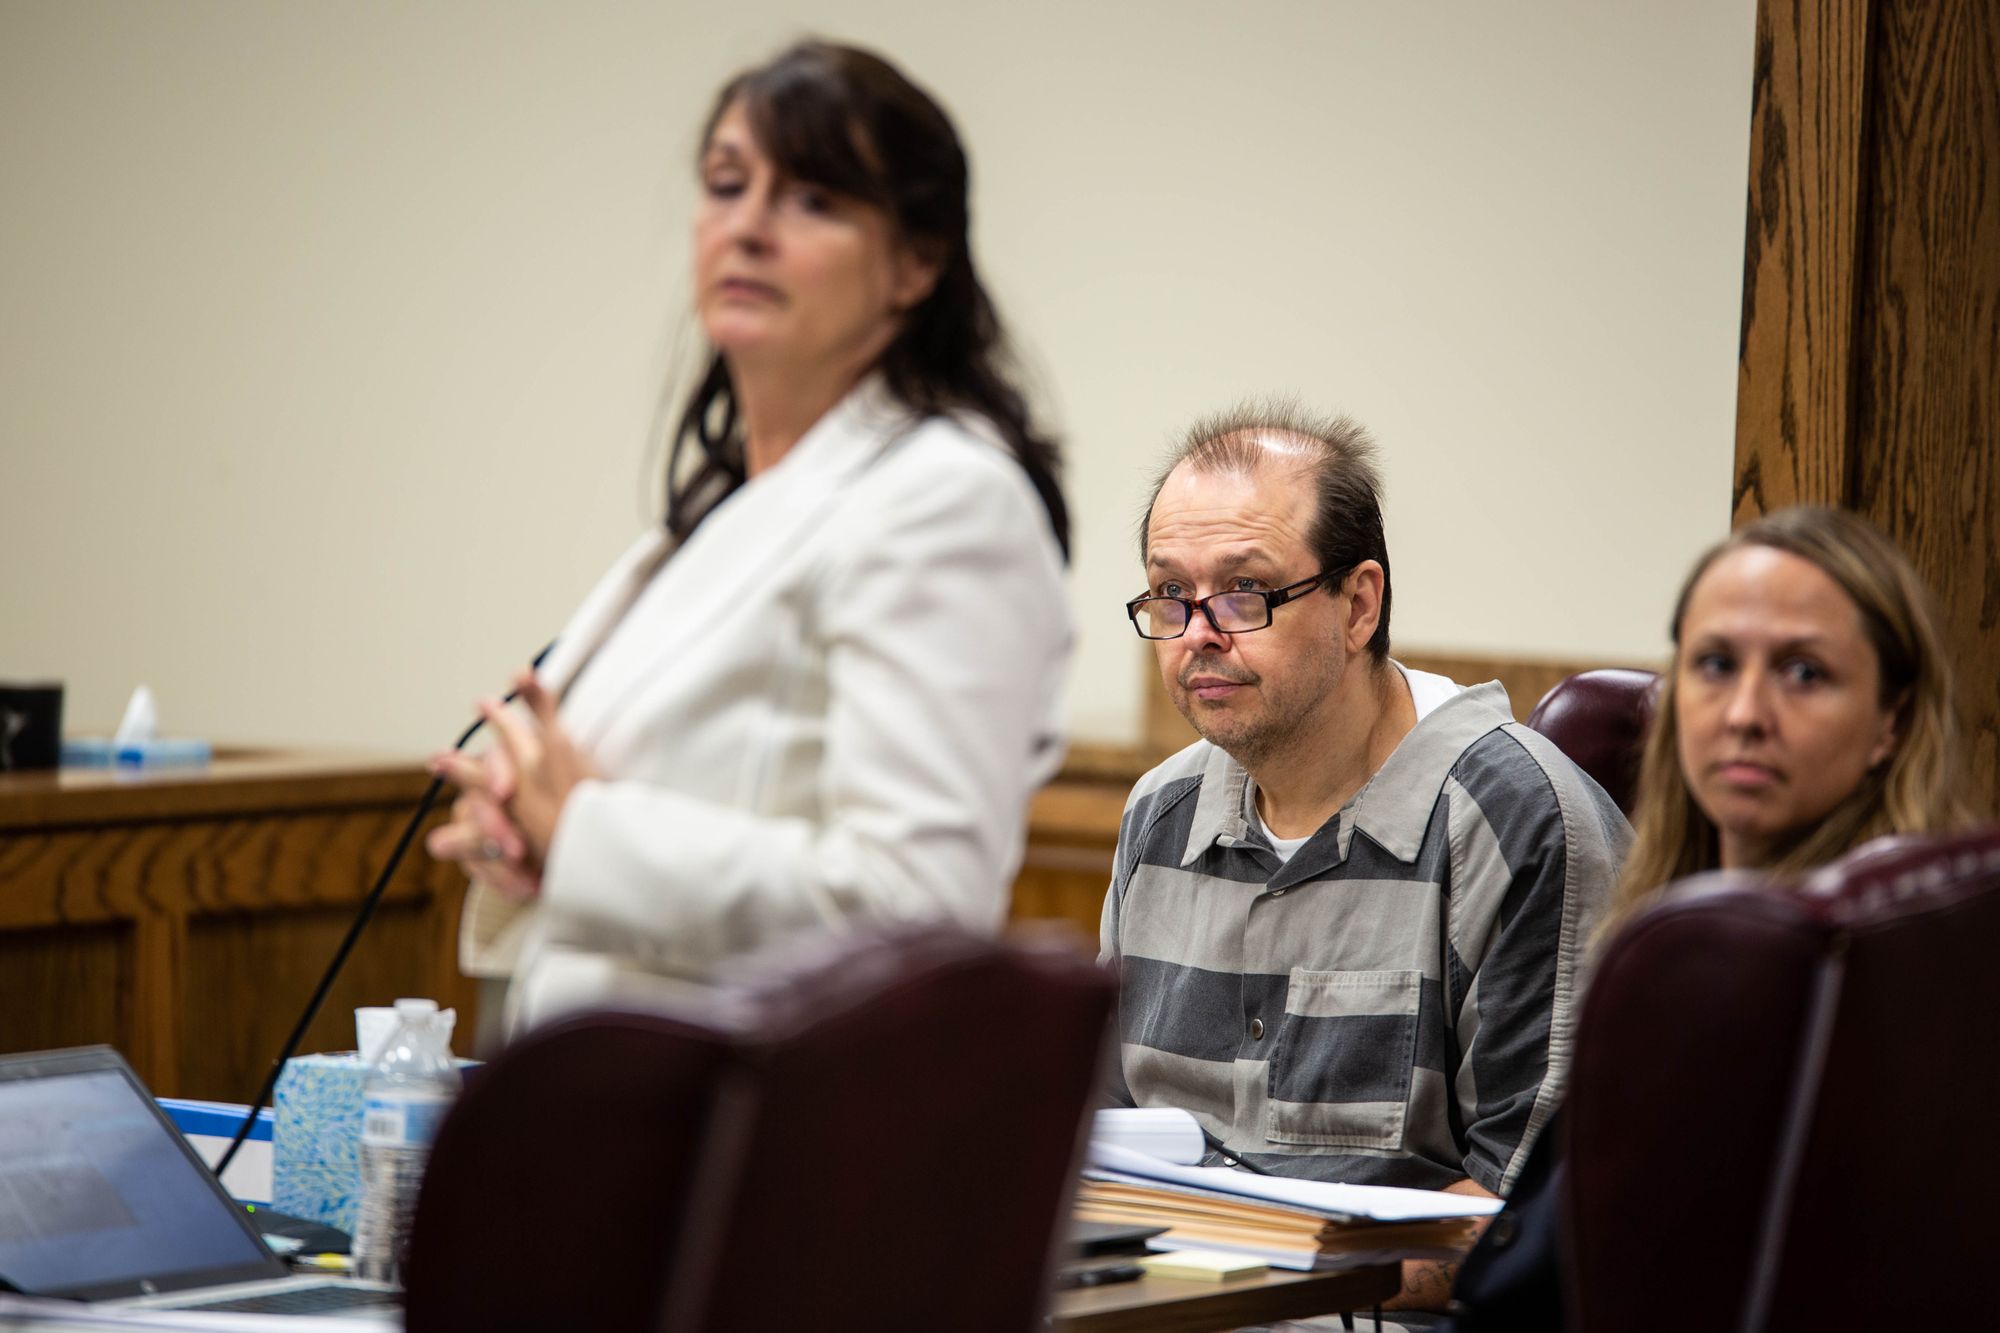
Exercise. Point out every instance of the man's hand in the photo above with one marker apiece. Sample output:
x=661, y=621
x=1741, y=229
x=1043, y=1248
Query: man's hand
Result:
x=1427, y=1282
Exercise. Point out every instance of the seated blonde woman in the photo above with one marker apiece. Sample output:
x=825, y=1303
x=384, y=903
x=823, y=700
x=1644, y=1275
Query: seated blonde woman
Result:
x=1807, y=710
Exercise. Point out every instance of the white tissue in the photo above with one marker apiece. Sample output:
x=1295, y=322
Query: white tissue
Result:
x=371, y=1031
x=141, y=722
x=373, y=1028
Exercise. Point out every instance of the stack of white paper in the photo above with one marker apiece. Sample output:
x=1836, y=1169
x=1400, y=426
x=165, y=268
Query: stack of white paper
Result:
x=1163, y=1132
x=1377, y=1203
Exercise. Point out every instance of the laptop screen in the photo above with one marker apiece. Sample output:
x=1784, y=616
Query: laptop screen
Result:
x=99, y=1194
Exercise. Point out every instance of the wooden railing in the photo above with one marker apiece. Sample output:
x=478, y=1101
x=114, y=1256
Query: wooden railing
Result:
x=183, y=917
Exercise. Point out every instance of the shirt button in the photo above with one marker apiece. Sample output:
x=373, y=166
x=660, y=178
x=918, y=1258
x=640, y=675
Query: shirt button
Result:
x=1277, y=893
x=1256, y=1029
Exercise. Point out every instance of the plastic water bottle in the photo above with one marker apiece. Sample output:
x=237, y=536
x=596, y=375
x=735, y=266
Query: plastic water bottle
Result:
x=404, y=1096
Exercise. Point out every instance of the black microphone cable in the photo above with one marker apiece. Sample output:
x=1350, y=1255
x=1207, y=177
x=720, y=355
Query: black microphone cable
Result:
x=1230, y=1156
x=354, y=929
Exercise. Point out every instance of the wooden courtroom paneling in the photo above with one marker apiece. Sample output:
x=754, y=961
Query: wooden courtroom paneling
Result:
x=1871, y=329
x=1072, y=834
x=70, y=977
x=1795, y=385
x=289, y=949
x=184, y=917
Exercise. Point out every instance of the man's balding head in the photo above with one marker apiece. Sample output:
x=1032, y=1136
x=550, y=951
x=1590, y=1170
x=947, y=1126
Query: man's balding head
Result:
x=1332, y=454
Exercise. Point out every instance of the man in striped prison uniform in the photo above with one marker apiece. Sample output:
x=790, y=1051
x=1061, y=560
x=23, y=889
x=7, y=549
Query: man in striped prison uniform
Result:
x=1349, y=920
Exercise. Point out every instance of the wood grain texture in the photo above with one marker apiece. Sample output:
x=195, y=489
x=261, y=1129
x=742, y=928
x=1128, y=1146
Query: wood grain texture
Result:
x=238, y=782
x=1183, y=1305
x=1072, y=837
x=1526, y=679
x=185, y=917
x=283, y=954
x=1927, y=416
x=1872, y=278
x=1795, y=378
x=59, y=987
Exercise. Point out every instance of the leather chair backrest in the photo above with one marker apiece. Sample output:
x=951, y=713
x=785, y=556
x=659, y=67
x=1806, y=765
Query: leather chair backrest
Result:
x=906, y=1135
x=881, y=1135
x=559, y=1185
x=1599, y=719
x=1779, y=1109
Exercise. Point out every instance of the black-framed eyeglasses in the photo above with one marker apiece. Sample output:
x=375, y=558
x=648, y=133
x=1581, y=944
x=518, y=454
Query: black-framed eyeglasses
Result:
x=1237, y=612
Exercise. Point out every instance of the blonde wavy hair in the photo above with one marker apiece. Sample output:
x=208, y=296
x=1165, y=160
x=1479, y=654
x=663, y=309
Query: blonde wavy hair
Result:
x=1918, y=789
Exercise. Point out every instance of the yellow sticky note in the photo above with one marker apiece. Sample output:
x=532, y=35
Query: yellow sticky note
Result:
x=1211, y=1265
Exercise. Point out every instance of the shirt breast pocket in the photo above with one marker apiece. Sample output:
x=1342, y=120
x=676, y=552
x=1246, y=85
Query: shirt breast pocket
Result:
x=1340, y=1073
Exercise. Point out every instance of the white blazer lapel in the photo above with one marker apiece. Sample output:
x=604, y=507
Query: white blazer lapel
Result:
x=727, y=565
x=492, y=927
x=602, y=610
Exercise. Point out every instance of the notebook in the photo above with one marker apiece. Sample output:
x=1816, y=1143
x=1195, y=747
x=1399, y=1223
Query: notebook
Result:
x=101, y=1199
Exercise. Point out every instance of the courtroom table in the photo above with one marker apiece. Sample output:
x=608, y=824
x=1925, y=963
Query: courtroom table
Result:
x=183, y=915
x=1182, y=1305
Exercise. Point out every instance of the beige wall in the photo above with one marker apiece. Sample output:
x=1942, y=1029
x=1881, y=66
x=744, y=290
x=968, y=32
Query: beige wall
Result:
x=332, y=335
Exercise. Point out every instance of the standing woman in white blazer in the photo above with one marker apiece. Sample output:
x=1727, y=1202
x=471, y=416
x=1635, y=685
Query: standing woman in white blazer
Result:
x=825, y=688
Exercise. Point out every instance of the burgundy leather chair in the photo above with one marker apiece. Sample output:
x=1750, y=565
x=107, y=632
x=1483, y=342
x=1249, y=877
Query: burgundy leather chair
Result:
x=1780, y=1113
x=881, y=1136
x=559, y=1184
x=1599, y=719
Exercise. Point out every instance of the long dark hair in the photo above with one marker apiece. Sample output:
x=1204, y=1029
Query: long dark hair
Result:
x=847, y=120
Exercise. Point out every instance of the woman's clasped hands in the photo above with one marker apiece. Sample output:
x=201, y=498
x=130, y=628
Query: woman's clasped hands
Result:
x=512, y=796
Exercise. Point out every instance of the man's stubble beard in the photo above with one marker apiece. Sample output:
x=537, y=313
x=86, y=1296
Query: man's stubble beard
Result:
x=1263, y=738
